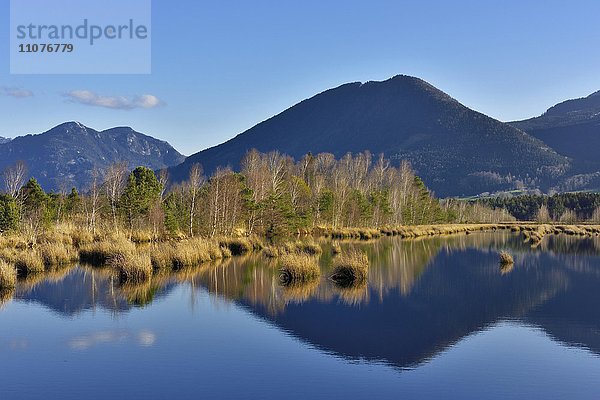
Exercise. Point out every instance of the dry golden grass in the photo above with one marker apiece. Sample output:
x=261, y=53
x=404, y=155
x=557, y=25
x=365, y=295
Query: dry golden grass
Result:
x=351, y=267
x=187, y=253
x=57, y=254
x=30, y=263
x=8, y=276
x=54, y=236
x=336, y=248
x=506, y=268
x=296, y=268
x=99, y=253
x=13, y=242
x=299, y=247
x=534, y=232
x=161, y=256
x=142, y=236
x=81, y=237
x=237, y=246
x=506, y=258
x=133, y=267
x=196, y=251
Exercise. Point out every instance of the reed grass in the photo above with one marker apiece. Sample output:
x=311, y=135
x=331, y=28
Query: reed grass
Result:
x=54, y=255
x=187, y=253
x=132, y=267
x=8, y=276
x=81, y=237
x=142, y=236
x=28, y=262
x=506, y=268
x=336, y=248
x=296, y=268
x=350, y=268
x=298, y=247
x=237, y=246
x=99, y=253
x=506, y=258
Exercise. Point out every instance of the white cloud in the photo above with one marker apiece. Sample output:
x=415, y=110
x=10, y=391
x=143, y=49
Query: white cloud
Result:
x=16, y=92
x=90, y=98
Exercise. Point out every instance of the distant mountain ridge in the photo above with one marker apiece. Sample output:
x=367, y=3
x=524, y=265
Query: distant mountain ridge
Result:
x=4, y=140
x=68, y=154
x=457, y=151
x=572, y=128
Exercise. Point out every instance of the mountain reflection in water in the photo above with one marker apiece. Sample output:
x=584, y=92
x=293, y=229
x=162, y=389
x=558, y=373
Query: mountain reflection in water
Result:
x=422, y=295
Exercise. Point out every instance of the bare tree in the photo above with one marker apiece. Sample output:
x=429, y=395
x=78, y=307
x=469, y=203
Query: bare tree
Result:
x=93, y=204
x=596, y=215
x=194, y=184
x=114, y=185
x=14, y=178
x=163, y=179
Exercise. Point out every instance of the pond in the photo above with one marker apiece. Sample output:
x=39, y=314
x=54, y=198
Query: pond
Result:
x=439, y=318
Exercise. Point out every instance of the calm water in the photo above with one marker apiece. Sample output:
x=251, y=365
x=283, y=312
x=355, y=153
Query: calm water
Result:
x=438, y=319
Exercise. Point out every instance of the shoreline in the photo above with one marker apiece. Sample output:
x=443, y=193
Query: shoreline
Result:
x=530, y=230
x=138, y=261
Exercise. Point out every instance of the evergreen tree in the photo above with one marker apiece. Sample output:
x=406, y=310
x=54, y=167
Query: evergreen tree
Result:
x=141, y=192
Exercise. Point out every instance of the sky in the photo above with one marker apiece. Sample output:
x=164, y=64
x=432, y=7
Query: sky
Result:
x=220, y=67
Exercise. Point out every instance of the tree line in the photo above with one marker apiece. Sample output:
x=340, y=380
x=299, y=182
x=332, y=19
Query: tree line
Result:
x=272, y=195
x=562, y=207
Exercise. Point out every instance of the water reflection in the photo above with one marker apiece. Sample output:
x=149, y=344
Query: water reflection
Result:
x=144, y=338
x=422, y=295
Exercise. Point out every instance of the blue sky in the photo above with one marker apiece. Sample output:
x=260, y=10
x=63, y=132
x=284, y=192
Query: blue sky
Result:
x=220, y=67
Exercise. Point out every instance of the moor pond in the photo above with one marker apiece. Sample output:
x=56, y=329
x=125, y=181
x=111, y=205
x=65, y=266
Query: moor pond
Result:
x=438, y=318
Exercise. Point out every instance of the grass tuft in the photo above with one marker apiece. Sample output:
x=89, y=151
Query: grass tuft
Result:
x=350, y=268
x=54, y=255
x=296, y=268
x=237, y=246
x=8, y=276
x=133, y=267
x=29, y=262
x=99, y=253
x=506, y=258
x=298, y=247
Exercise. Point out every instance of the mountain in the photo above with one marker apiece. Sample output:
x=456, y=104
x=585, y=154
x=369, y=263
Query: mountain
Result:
x=456, y=150
x=572, y=128
x=4, y=140
x=67, y=154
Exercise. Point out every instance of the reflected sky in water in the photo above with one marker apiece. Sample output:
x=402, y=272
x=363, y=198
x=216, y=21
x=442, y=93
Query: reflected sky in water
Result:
x=438, y=318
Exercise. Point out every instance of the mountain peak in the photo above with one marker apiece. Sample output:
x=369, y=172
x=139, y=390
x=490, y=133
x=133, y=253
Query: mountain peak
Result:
x=70, y=127
x=405, y=118
x=71, y=124
x=70, y=153
x=581, y=106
